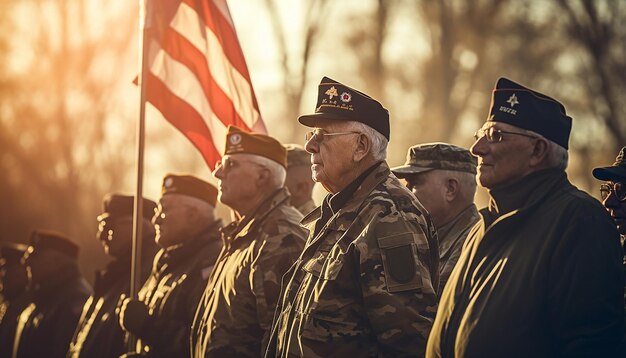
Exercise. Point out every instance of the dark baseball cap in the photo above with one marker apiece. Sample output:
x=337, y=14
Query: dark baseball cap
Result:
x=616, y=172
x=117, y=205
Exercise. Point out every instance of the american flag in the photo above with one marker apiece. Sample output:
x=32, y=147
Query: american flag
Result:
x=198, y=78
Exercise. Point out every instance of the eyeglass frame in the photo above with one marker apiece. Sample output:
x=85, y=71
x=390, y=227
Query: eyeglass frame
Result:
x=228, y=167
x=318, y=135
x=610, y=189
x=490, y=136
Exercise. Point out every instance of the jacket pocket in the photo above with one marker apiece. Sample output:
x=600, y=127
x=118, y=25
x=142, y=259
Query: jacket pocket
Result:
x=400, y=262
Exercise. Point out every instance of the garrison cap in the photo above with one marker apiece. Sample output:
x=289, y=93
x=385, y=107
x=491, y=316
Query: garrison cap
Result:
x=297, y=155
x=616, y=172
x=240, y=142
x=425, y=157
x=336, y=101
x=117, y=205
x=11, y=253
x=522, y=107
x=41, y=240
x=189, y=185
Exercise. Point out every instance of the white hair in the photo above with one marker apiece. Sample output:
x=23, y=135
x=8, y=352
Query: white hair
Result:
x=557, y=156
x=379, y=142
x=277, y=171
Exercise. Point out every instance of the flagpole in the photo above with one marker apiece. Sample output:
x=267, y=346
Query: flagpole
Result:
x=145, y=15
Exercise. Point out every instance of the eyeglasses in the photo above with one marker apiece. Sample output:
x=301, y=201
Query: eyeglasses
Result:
x=318, y=135
x=494, y=135
x=613, y=188
x=227, y=164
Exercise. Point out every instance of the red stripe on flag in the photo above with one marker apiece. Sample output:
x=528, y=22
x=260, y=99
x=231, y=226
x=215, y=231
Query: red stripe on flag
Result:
x=184, y=117
x=181, y=50
x=212, y=18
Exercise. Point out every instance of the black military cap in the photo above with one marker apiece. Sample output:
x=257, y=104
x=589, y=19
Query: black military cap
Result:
x=11, y=253
x=616, y=172
x=50, y=240
x=522, y=107
x=336, y=101
x=425, y=157
x=116, y=205
x=189, y=185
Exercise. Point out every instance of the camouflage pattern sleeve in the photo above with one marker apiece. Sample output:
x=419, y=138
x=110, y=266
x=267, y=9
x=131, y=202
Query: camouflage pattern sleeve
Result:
x=398, y=293
x=274, y=259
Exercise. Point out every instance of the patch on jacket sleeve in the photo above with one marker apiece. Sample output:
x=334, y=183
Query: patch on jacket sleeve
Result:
x=400, y=262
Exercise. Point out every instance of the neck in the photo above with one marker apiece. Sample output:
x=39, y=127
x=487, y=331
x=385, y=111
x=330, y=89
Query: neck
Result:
x=358, y=169
x=252, y=204
x=451, y=213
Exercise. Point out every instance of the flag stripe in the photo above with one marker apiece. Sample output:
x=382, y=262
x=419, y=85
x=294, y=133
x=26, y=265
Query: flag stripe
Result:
x=181, y=50
x=221, y=69
x=185, y=118
x=213, y=18
x=186, y=86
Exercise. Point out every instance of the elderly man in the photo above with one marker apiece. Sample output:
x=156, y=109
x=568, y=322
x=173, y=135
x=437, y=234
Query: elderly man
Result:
x=365, y=282
x=443, y=177
x=188, y=233
x=14, y=296
x=98, y=333
x=299, y=181
x=540, y=274
x=235, y=313
x=45, y=327
x=614, y=199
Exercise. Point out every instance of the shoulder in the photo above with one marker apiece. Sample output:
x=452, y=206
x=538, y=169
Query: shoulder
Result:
x=284, y=221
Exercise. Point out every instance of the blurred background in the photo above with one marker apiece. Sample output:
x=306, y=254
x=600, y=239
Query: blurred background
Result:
x=68, y=108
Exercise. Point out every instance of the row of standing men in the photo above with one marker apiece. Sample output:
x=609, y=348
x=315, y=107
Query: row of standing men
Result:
x=540, y=273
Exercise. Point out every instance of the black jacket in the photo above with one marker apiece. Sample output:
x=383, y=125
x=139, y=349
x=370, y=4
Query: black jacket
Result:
x=539, y=276
x=46, y=326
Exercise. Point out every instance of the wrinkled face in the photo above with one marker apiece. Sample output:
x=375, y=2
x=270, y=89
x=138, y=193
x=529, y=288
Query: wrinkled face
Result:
x=331, y=154
x=614, y=200
x=237, y=175
x=171, y=221
x=430, y=191
x=116, y=235
x=502, y=162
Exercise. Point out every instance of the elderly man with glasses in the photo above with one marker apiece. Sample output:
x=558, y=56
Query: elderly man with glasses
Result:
x=613, y=193
x=235, y=313
x=540, y=274
x=365, y=283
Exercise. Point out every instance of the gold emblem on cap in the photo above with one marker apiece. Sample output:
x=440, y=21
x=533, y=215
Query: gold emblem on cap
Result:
x=235, y=139
x=512, y=100
x=332, y=92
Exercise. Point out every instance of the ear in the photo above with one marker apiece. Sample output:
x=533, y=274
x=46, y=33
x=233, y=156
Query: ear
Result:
x=539, y=152
x=363, y=147
x=262, y=177
x=452, y=189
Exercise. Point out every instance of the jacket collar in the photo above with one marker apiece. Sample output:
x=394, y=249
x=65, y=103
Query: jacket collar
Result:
x=377, y=175
x=457, y=225
x=250, y=223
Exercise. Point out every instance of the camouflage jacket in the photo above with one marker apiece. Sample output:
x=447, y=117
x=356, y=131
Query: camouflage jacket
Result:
x=451, y=239
x=307, y=207
x=173, y=290
x=98, y=333
x=46, y=326
x=235, y=314
x=364, y=284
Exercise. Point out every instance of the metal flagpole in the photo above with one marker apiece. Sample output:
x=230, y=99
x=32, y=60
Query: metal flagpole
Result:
x=145, y=23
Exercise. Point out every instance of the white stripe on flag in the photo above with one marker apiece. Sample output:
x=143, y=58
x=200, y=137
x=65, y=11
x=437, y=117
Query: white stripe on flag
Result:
x=187, y=22
x=185, y=85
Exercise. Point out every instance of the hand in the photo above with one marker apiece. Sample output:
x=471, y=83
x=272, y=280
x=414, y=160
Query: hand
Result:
x=133, y=315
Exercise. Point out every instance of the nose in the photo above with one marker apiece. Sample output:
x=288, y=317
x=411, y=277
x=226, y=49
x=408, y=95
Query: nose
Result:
x=480, y=147
x=312, y=146
x=218, y=172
